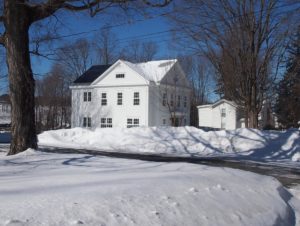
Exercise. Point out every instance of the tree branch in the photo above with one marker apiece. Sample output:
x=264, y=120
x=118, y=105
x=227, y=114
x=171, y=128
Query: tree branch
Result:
x=2, y=39
x=41, y=11
x=162, y=4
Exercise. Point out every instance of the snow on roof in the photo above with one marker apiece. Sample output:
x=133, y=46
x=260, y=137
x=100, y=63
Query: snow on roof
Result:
x=217, y=103
x=152, y=70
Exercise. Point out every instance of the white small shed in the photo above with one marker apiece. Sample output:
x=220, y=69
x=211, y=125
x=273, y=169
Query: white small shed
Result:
x=220, y=115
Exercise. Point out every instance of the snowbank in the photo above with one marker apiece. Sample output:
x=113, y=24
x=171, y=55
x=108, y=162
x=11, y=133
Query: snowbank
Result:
x=243, y=143
x=65, y=189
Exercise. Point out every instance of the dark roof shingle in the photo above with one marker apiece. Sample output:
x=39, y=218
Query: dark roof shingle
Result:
x=91, y=74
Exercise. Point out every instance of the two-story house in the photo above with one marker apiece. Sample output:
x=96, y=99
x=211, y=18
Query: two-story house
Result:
x=125, y=94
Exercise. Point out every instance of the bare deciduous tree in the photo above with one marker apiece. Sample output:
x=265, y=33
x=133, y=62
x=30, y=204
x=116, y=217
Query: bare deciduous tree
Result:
x=75, y=58
x=201, y=80
x=17, y=16
x=244, y=40
x=106, y=46
x=137, y=51
x=53, y=100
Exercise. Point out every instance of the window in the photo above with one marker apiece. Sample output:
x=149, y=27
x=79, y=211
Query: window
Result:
x=172, y=100
x=133, y=122
x=223, y=112
x=184, y=121
x=136, y=122
x=164, y=121
x=87, y=96
x=178, y=101
x=119, y=98
x=185, y=102
x=103, y=99
x=106, y=123
x=120, y=75
x=136, y=98
x=164, y=101
x=87, y=122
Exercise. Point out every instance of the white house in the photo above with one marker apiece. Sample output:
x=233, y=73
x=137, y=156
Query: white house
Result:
x=220, y=115
x=125, y=94
x=225, y=114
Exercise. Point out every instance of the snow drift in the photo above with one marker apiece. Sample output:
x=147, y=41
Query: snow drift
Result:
x=182, y=141
x=74, y=189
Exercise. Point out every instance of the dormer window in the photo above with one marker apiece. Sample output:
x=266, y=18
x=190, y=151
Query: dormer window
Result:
x=120, y=75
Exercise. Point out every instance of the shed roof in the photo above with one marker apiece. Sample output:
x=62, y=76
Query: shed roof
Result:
x=218, y=103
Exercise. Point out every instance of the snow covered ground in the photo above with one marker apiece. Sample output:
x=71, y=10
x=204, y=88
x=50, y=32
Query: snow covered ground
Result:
x=248, y=144
x=74, y=189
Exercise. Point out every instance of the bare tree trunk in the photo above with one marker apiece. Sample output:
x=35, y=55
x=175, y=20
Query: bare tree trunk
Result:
x=247, y=118
x=20, y=77
x=253, y=113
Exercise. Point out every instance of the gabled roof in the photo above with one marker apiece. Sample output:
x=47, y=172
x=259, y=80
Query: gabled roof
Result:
x=218, y=103
x=152, y=70
x=91, y=74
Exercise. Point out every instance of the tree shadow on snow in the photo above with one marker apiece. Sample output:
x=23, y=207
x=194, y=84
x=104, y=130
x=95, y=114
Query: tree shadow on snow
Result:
x=275, y=145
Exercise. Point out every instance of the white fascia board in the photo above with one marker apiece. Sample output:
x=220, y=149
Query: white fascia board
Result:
x=80, y=87
x=205, y=106
x=117, y=86
x=165, y=86
x=226, y=101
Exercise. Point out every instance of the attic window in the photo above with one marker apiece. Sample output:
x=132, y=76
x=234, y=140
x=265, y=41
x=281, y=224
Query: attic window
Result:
x=120, y=75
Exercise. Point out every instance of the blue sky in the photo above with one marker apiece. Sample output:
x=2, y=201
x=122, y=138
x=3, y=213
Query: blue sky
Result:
x=138, y=29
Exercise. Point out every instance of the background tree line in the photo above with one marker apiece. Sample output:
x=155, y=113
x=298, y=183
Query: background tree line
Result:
x=247, y=43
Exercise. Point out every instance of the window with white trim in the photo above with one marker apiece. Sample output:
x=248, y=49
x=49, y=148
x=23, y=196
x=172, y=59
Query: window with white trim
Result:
x=87, y=96
x=172, y=100
x=133, y=122
x=87, y=122
x=223, y=112
x=164, y=100
x=120, y=75
x=106, y=123
x=103, y=99
x=178, y=101
x=136, y=98
x=185, y=102
x=119, y=98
